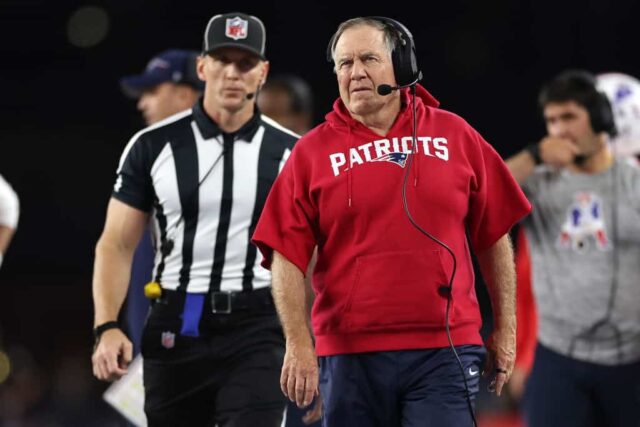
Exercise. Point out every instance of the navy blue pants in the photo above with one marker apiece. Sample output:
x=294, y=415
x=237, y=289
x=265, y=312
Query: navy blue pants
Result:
x=295, y=414
x=408, y=388
x=565, y=392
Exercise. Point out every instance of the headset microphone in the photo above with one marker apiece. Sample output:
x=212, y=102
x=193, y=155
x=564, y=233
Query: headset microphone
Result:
x=252, y=95
x=387, y=89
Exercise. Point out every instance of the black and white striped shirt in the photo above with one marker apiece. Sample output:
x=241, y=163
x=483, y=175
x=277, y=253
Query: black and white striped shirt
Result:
x=205, y=190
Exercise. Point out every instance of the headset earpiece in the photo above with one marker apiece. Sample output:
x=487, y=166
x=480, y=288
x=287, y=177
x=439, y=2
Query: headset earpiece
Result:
x=596, y=103
x=601, y=115
x=403, y=56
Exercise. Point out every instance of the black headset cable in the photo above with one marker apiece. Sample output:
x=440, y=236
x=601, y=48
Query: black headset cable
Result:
x=448, y=289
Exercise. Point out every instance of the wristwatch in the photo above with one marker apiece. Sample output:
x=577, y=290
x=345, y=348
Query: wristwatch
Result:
x=100, y=329
x=534, y=150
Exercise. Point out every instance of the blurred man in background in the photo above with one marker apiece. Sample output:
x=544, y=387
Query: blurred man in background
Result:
x=623, y=92
x=288, y=100
x=168, y=85
x=584, y=239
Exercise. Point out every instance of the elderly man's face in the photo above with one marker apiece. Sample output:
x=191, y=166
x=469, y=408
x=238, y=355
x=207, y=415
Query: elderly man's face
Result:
x=362, y=63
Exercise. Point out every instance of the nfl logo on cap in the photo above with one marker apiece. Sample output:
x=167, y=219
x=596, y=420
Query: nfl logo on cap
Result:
x=236, y=28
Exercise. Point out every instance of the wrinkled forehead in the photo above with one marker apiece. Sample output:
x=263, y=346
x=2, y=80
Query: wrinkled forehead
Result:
x=361, y=38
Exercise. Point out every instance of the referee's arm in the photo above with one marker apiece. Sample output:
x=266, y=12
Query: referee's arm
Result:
x=123, y=229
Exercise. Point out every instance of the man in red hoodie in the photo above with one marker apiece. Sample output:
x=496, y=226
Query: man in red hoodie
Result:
x=394, y=279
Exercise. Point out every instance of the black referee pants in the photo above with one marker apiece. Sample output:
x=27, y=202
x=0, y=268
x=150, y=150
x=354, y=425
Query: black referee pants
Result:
x=228, y=376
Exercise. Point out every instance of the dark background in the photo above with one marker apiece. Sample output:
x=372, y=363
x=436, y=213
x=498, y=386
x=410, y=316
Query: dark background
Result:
x=64, y=121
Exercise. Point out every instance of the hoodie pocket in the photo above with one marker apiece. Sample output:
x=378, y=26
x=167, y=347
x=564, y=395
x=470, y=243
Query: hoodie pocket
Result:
x=396, y=290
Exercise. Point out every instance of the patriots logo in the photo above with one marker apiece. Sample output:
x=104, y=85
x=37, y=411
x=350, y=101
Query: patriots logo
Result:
x=584, y=224
x=157, y=63
x=622, y=92
x=398, y=158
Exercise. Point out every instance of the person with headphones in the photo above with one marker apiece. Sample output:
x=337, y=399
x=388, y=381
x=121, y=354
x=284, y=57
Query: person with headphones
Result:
x=212, y=343
x=584, y=241
x=387, y=188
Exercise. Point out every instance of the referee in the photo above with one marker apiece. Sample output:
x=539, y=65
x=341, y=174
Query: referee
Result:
x=212, y=343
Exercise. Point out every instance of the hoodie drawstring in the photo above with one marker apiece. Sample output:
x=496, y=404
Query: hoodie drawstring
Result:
x=414, y=137
x=349, y=179
x=340, y=116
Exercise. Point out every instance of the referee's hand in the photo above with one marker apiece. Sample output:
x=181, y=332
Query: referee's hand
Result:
x=112, y=355
x=299, y=378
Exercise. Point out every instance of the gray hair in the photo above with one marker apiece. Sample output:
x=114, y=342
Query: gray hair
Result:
x=390, y=34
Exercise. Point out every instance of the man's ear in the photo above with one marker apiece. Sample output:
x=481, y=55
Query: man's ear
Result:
x=200, y=67
x=265, y=73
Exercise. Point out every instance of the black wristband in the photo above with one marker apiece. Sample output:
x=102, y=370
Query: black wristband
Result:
x=534, y=150
x=100, y=329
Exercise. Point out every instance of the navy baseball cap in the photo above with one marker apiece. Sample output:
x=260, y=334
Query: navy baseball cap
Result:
x=237, y=30
x=174, y=65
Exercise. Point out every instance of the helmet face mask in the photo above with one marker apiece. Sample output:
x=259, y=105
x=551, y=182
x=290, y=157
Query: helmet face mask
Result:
x=623, y=92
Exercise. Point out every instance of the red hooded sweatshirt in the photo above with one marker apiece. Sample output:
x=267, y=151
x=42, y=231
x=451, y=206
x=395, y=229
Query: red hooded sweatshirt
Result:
x=377, y=277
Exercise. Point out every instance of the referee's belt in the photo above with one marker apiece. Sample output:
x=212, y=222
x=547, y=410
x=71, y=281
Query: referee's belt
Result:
x=226, y=302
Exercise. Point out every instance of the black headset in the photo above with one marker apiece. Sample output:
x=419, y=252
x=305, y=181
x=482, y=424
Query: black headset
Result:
x=403, y=55
x=600, y=111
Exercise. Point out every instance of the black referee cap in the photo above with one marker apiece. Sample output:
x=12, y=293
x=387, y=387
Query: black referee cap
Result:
x=237, y=30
